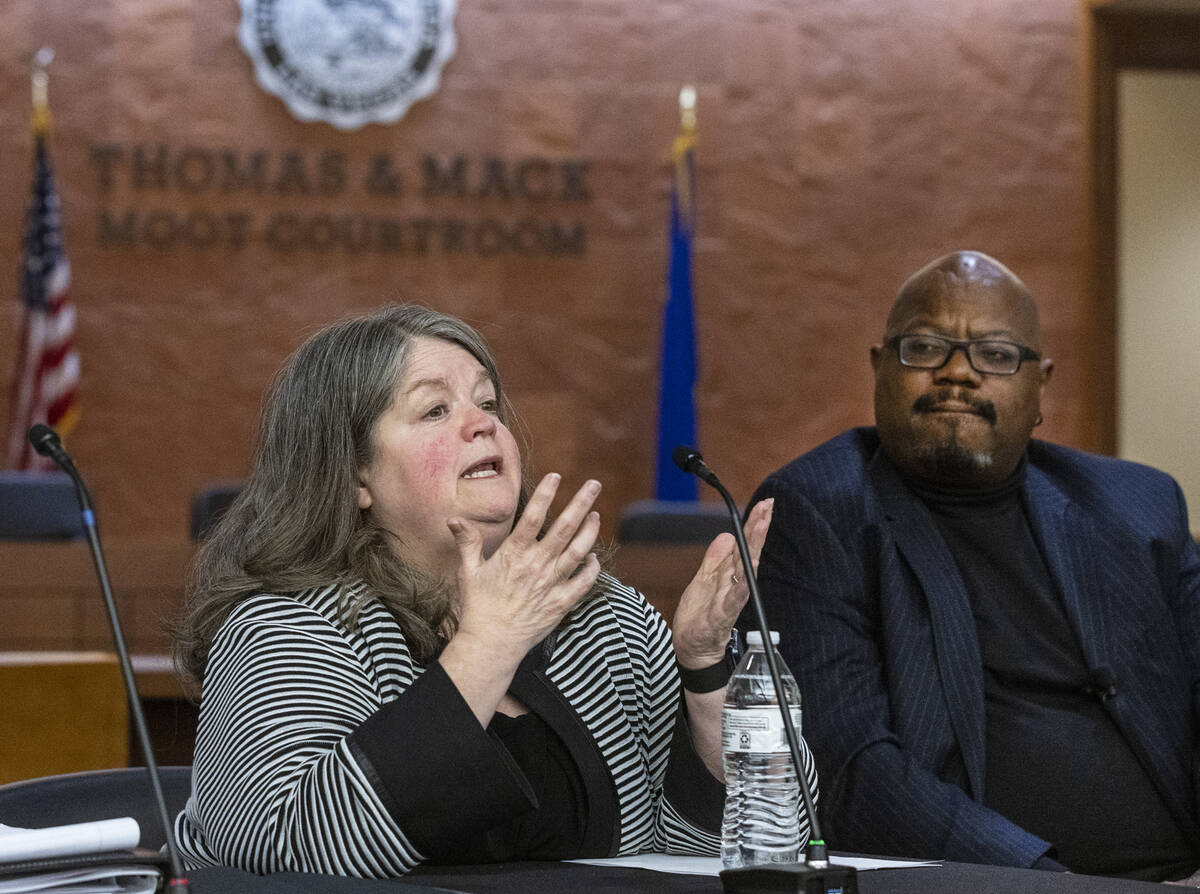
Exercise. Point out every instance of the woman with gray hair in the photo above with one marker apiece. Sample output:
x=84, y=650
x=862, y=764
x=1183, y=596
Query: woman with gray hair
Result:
x=401, y=658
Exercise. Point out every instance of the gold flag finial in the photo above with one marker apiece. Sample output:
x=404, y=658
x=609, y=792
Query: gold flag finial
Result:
x=40, y=82
x=687, y=107
x=681, y=150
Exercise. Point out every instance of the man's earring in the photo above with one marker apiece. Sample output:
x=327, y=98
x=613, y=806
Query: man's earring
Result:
x=1039, y=421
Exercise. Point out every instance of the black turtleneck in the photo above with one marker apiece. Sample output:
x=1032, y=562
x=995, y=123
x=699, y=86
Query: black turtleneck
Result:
x=1057, y=764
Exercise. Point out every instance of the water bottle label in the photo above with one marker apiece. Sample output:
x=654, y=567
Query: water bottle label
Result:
x=756, y=729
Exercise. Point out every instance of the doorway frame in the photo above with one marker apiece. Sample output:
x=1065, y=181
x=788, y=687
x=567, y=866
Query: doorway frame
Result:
x=1151, y=35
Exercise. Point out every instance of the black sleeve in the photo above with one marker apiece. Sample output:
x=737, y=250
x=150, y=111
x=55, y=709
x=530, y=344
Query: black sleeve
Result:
x=439, y=773
x=690, y=787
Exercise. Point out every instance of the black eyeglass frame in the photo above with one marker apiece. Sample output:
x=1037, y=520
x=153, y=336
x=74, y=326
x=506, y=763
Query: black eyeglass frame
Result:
x=1023, y=353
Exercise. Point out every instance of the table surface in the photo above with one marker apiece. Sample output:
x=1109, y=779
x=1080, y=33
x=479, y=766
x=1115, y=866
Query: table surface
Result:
x=545, y=878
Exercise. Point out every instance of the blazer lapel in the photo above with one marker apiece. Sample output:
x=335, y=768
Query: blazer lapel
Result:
x=958, y=659
x=1068, y=538
x=1091, y=565
x=1089, y=561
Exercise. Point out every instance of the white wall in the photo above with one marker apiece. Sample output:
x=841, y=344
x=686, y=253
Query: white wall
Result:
x=1158, y=279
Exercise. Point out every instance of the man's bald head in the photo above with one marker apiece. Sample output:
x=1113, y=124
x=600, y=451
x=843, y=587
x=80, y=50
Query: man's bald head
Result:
x=963, y=272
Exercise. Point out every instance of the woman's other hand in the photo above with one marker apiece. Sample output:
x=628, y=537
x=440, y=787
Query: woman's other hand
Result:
x=711, y=603
x=706, y=614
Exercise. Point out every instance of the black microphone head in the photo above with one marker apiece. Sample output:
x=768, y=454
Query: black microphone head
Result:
x=686, y=458
x=44, y=439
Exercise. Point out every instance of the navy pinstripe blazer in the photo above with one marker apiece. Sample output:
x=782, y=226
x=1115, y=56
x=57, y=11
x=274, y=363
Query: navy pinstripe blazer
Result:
x=876, y=626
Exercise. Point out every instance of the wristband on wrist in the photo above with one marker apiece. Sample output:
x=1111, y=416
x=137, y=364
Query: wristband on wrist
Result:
x=707, y=679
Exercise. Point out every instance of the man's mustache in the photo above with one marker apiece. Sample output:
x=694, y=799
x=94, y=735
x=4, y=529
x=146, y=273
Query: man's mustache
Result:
x=931, y=403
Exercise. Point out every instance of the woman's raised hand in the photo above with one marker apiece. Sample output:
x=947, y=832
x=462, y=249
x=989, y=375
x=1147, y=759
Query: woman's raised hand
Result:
x=516, y=596
x=711, y=603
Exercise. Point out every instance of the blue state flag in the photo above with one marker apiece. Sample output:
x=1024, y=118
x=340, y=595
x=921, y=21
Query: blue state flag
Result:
x=676, y=401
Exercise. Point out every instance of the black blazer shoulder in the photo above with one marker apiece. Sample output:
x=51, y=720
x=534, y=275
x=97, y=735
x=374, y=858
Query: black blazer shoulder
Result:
x=833, y=477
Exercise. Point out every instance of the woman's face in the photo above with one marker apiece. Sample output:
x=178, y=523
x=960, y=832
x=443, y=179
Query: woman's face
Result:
x=441, y=452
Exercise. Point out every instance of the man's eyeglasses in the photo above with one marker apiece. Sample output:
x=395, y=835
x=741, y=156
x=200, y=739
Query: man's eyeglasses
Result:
x=988, y=356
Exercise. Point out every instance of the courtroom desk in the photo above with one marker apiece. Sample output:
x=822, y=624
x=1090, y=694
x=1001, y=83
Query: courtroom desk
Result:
x=170, y=716
x=50, y=598
x=155, y=677
x=61, y=712
x=553, y=878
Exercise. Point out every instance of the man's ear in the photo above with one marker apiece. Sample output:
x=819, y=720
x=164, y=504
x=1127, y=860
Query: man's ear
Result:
x=1047, y=367
x=876, y=356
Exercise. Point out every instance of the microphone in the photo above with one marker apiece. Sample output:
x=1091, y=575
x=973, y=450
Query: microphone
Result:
x=45, y=441
x=816, y=875
x=1101, y=683
x=690, y=461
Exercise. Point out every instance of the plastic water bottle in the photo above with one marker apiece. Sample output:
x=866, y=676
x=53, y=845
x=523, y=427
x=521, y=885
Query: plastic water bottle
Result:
x=762, y=797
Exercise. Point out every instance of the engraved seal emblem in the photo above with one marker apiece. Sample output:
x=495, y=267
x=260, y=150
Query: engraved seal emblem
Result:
x=348, y=62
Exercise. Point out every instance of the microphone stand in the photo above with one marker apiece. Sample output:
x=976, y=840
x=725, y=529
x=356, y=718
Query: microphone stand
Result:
x=816, y=875
x=45, y=440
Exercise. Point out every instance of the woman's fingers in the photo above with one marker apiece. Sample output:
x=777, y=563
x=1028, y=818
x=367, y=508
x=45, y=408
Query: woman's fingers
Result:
x=553, y=569
x=718, y=558
x=581, y=582
x=469, y=543
x=757, y=524
x=534, y=516
x=562, y=532
x=580, y=546
x=722, y=566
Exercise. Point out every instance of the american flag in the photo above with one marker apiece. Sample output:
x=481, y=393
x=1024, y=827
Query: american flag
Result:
x=47, y=373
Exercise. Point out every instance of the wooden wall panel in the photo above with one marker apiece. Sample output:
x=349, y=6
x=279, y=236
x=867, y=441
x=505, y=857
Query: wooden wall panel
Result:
x=842, y=145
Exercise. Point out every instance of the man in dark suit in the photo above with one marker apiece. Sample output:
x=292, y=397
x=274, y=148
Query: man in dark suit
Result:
x=997, y=639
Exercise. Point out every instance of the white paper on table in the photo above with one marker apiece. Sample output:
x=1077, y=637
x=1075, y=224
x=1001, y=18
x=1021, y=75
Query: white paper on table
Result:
x=712, y=865
x=65, y=841
x=100, y=880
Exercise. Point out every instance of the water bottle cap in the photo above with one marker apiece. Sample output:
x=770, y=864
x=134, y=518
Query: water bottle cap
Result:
x=754, y=638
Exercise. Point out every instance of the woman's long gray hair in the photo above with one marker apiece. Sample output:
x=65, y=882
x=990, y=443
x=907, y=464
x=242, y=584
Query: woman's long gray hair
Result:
x=296, y=523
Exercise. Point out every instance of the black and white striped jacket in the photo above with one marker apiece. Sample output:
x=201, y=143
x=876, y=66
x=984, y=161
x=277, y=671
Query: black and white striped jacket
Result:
x=322, y=747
